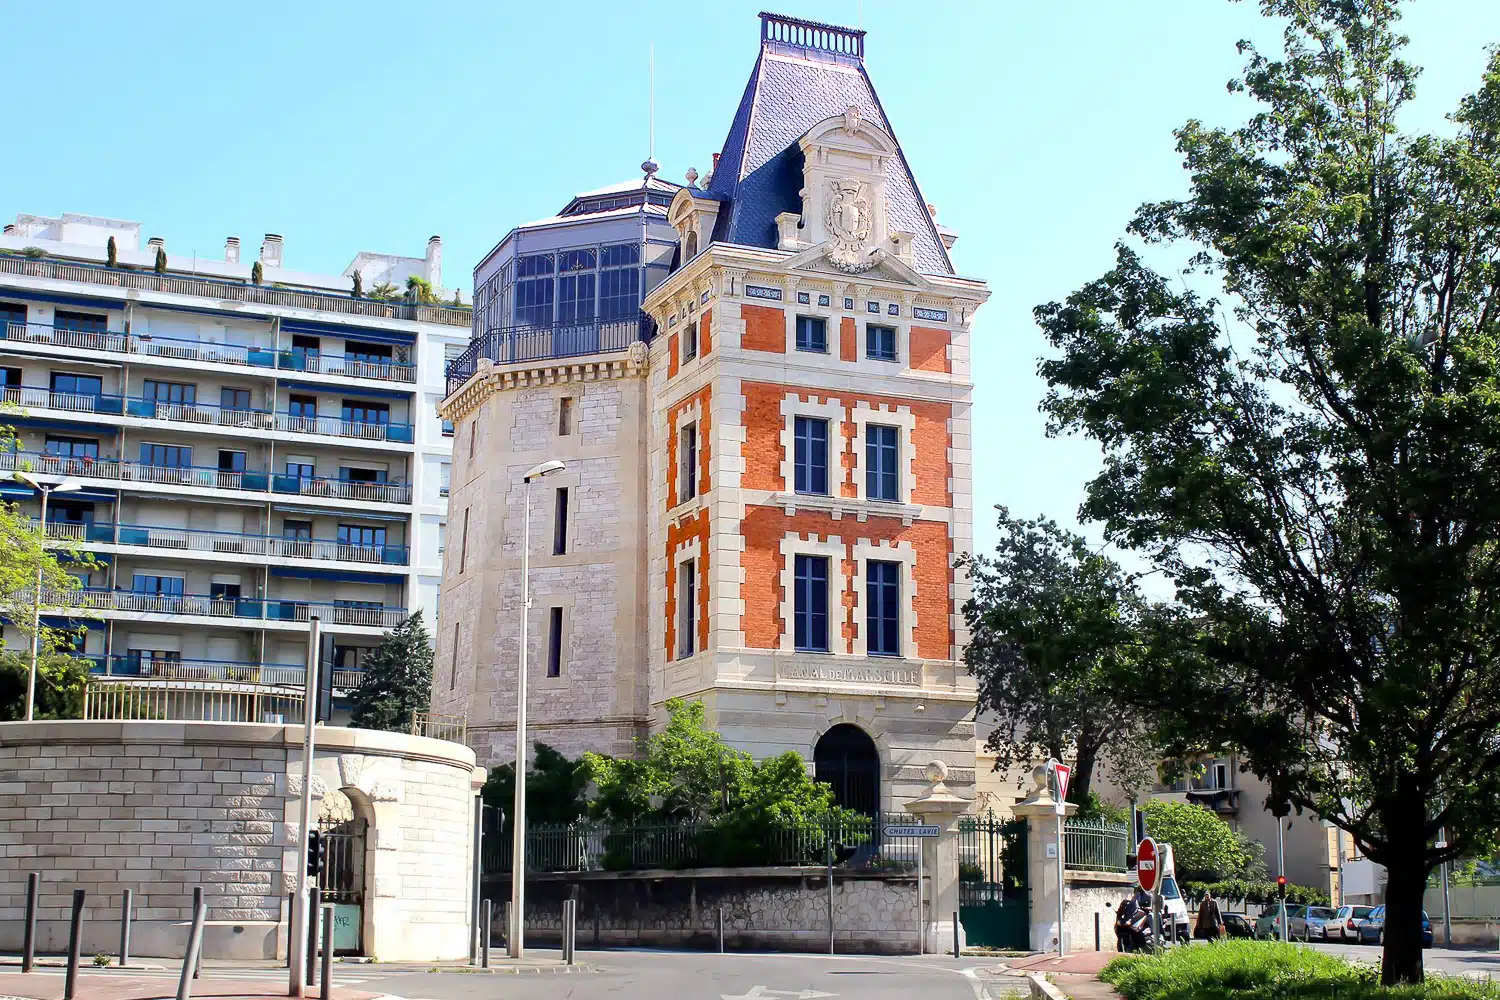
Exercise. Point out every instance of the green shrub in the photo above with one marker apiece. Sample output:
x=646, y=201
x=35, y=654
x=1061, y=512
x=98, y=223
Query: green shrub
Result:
x=1262, y=891
x=1256, y=970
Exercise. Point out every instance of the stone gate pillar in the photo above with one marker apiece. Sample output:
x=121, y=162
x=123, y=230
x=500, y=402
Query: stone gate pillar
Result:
x=940, y=807
x=1043, y=855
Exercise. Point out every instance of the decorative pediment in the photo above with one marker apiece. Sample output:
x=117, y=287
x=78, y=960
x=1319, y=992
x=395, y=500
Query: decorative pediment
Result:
x=880, y=265
x=844, y=161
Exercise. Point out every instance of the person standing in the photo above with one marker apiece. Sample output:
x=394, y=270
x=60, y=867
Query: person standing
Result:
x=1210, y=920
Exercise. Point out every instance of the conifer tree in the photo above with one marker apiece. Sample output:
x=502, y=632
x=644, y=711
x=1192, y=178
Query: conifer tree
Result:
x=398, y=679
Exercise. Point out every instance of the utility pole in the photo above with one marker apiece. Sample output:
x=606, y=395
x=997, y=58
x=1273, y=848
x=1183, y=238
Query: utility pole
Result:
x=296, y=941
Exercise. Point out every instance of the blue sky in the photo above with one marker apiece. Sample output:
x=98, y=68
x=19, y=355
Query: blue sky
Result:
x=1035, y=128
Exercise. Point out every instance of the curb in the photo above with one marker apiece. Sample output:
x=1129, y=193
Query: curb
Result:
x=516, y=970
x=1042, y=989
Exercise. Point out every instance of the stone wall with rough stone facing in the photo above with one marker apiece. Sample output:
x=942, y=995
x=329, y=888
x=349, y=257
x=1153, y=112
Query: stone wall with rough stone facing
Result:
x=780, y=909
x=163, y=807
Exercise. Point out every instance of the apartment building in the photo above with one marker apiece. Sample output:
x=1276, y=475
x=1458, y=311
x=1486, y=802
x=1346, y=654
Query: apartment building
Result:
x=767, y=483
x=241, y=445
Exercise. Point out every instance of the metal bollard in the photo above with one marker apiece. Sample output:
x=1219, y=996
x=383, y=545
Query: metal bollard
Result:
x=197, y=902
x=957, y=952
x=596, y=926
x=327, y=993
x=486, y=928
x=570, y=929
x=721, y=930
x=75, y=944
x=125, y=929
x=291, y=904
x=194, y=952
x=28, y=950
x=314, y=907
x=1098, y=944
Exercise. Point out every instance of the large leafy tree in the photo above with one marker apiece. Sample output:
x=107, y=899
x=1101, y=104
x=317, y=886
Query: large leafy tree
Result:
x=1051, y=624
x=398, y=679
x=1317, y=474
x=60, y=682
x=555, y=787
x=1204, y=847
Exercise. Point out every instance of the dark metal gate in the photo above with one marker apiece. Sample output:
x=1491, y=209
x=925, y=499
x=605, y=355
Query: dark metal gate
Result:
x=993, y=896
x=342, y=882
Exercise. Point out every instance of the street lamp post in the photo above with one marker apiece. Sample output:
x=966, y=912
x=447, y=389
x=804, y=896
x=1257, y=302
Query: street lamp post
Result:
x=46, y=490
x=516, y=946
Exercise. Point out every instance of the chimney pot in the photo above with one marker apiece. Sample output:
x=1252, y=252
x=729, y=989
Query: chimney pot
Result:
x=232, y=250
x=10, y=227
x=432, y=267
x=270, y=250
x=156, y=241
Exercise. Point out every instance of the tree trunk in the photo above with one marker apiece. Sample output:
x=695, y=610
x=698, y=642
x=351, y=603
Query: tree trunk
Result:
x=1406, y=875
x=1082, y=778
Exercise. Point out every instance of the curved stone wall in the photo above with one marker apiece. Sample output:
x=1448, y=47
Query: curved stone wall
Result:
x=162, y=807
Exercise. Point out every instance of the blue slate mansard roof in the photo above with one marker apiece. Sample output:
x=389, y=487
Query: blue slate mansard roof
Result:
x=806, y=72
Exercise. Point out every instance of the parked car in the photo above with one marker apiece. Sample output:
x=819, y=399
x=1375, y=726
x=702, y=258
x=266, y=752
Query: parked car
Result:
x=1237, y=925
x=1346, y=927
x=1268, y=924
x=1372, y=931
x=1317, y=921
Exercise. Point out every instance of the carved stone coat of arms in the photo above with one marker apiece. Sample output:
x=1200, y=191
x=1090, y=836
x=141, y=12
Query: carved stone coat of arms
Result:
x=847, y=217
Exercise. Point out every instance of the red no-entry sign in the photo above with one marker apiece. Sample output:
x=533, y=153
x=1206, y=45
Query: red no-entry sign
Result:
x=1146, y=865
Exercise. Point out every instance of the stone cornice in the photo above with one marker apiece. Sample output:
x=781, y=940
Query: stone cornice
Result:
x=490, y=378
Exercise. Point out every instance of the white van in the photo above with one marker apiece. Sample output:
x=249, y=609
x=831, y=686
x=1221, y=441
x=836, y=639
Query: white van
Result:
x=1174, y=910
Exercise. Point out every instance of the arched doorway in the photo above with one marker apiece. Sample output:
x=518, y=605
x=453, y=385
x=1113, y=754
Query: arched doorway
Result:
x=846, y=758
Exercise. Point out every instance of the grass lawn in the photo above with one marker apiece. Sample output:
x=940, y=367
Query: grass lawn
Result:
x=1264, y=970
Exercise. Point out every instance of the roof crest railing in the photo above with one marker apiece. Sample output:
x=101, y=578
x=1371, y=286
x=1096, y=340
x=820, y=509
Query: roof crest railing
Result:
x=812, y=35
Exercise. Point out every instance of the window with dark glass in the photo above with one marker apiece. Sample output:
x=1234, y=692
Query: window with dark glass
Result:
x=687, y=609
x=70, y=512
x=690, y=341
x=369, y=354
x=234, y=399
x=299, y=470
x=565, y=416
x=619, y=281
x=351, y=474
x=812, y=334
x=883, y=604
x=810, y=458
x=554, y=642
x=534, y=290
x=575, y=298
x=169, y=456
x=10, y=376
x=231, y=461
x=882, y=449
x=302, y=406
x=12, y=314
x=880, y=342
x=560, y=522
x=359, y=534
x=463, y=543
x=357, y=411
x=146, y=660
x=447, y=428
x=810, y=609
x=166, y=586
x=296, y=531
x=224, y=591
x=71, y=447
x=170, y=392
x=687, y=463
x=80, y=385
x=80, y=322
x=306, y=348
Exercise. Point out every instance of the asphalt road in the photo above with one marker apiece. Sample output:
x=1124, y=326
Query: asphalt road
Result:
x=645, y=975
x=1451, y=961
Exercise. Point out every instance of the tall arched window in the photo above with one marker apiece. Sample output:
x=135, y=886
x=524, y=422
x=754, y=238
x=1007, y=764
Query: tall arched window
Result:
x=846, y=758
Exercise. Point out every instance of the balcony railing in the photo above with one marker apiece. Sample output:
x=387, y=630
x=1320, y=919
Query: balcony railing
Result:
x=203, y=414
x=507, y=345
x=267, y=674
x=229, y=542
x=244, y=355
x=237, y=291
x=205, y=477
x=210, y=606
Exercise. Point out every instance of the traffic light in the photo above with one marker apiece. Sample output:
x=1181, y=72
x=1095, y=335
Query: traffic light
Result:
x=317, y=849
x=1281, y=886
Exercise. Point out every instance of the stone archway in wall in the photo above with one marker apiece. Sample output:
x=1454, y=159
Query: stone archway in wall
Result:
x=846, y=758
x=374, y=791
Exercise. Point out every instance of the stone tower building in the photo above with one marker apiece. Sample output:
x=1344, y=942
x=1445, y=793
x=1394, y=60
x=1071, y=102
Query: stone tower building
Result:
x=766, y=494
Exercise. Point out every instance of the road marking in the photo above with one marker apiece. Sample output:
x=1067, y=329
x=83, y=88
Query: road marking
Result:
x=763, y=991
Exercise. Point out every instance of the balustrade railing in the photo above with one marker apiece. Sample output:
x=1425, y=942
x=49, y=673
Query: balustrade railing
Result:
x=229, y=542
x=507, y=345
x=204, y=476
x=133, y=665
x=217, y=606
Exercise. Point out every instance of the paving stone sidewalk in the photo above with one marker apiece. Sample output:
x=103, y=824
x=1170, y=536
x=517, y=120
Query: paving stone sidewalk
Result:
x=128, y=986
x=1076, y=975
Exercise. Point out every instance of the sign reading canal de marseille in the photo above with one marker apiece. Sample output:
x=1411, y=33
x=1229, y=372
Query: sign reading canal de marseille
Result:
x=915, y=830
x=851, y=674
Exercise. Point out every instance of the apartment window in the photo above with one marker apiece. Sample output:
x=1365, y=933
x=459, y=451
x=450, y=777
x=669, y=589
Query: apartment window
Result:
x=565, y=416
x=362, y=535
x=560, y=522
x=234, y=399
x=161, y=586
x=554, y=642
x=71, y=447
x=302, y=406
x=70, y=512
x=687, y=463
x=880, y=342
x=810, y=455
x=224, y=591
x=305, y=351
x=810, y=609
x=812, y=334
x=463, y=543
x=445, y=479
x=145, y=661
x=80, y=322
x=231, y=461
x=453, y=665
x=883, y=608
x=170, y=392
x=296, y=531
x=534, y=290
x=78, y=385
x=354, y=475
x=369, y=354
x=299, y=470
x=882, y=449
x=358, y=411
x=690, y=341
x=12, y=314
x=473, y=433
x=169, y=456
x=447, y=428
x=687, y=609
x=9, y=376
